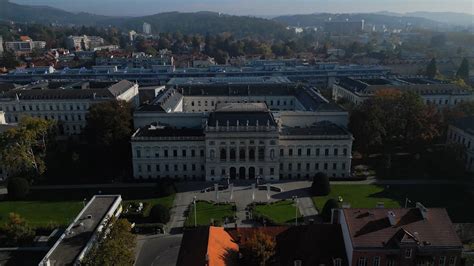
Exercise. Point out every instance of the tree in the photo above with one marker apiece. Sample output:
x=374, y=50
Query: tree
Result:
x=8, y=60
x=320, y=186
x=108, y=131
x=258, y=249
x=463, y=71
x=23, y=148
x=109, y=123
x=17, y=230
x=160, y=214
x=18, y=188
x=326, y=213
x=116, y=247
x=432, y=69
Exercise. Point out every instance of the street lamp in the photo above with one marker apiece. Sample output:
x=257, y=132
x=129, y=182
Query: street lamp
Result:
x=195, y=214
x=295, y=199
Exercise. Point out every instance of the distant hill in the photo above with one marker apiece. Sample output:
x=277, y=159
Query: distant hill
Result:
x=44, y=15
x=315, y=20
x=199, y=22
x=462, y=19
x=205, y=22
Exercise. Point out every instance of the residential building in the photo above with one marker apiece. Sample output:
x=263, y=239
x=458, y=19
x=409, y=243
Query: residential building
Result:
x=66, y=103
x=25, y=45
x=409, y=236
x=240, y=128
x=434, y=92
x=83, y=233
x=82, y=43
x=318, y=244
x=132, y=61
x=462, y=132
x=146, y=28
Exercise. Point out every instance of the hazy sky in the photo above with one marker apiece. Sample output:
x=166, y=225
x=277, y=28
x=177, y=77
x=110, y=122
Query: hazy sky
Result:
x=254, y=7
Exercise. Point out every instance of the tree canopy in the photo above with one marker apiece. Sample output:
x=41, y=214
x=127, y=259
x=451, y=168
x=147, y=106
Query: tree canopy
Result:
x=432, y=68
x=394, y=118
x=463, y=71
x=23, y=148
x=117, y=247
x=258, y=249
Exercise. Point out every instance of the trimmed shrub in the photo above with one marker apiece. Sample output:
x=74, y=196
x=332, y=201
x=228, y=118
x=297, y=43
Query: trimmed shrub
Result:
x=320, y=186
x=160, y=214
x=18, y=188
x=327, y=209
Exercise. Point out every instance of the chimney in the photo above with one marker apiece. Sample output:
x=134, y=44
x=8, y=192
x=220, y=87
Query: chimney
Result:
x=423, y=210
x=392, y=218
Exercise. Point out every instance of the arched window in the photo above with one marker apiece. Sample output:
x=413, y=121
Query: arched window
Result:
x=272, y=154
x=242, y=154
x=261, y=154
x=223, y=155
x=252, y=154
x=233, y=154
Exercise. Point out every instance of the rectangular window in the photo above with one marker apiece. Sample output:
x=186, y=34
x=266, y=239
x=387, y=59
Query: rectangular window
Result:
x=344, y=151
x=176, y=167
x=334, y=166
x=442, y=261
x=308, y=152
x=139, y=153
x=298, y=166
x=290, y=166
x=343, y=166
x=337, y=262
x=307, y=167
x=290, y=152
x=452, y=261
x=325, y=166
x=281, y=152
x=157, y=167
x=317, y=152
x=281, y=167
x=183, y=152
x=148, y=168
x=408, y=253
x=157, y=154
x=175, y=153
x=362, y=261
x=316, y=166
x=391, y=262
x=336, y=152
x=272, y=171
x=299, y=152
x=193, y=153
x=376, y=261
x=166, y=153
x=167, y=168
x=193, y=167
x=326, y=152
x=185, y=167
x=201, y=153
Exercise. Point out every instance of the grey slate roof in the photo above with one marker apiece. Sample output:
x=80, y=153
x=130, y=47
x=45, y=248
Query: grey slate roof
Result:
x=320, y=128
x=466, y=124
x=157, y=131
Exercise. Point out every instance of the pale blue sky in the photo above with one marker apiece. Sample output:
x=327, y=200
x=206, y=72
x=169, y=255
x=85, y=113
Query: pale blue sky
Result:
x=254, y=7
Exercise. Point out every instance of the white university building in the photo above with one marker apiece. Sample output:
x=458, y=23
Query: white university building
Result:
x=240, y=128
x=462, y=132
x=66, y=103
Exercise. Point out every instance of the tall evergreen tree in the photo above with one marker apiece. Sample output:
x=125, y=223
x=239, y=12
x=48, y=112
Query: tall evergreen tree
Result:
x=432, y=69
x=463, y=71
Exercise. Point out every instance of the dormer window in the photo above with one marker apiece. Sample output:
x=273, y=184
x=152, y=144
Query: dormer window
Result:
x=408, y=252
x=337, y=262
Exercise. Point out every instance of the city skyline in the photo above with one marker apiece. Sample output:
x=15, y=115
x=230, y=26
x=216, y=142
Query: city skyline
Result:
x=255, y=8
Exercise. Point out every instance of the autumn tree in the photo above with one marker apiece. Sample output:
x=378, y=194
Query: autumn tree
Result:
x=463, y=71
x=258, y=249
x=115, y=247
x=23, y=148
x=432, y=69
x=393, y=118
x=17, y=230
x=108, y=131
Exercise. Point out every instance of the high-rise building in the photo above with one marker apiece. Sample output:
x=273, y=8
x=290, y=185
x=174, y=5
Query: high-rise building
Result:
x=146, y=28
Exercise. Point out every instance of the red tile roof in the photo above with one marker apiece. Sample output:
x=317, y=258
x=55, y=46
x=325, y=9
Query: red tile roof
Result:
x=371, y=228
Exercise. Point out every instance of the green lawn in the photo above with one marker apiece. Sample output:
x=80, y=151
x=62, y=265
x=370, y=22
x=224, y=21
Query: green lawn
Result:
x=166, y=201
x=41, y=213
x=62, y=213
x=280, y=212
x=452, y=197
x=207, y=211
x=359, y=196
